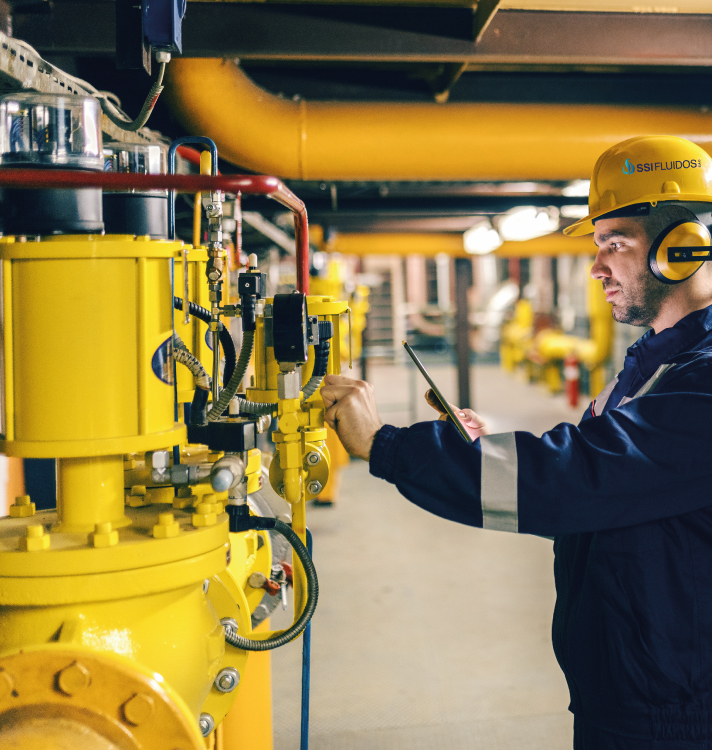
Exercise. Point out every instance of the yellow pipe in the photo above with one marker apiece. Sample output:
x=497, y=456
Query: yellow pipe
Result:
x=90, y=491
x=406, y=141
x=431, y=245
x=206, y=164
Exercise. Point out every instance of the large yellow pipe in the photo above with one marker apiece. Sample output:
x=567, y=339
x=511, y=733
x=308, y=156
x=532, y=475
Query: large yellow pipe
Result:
x=406, y=141
x=434, y=244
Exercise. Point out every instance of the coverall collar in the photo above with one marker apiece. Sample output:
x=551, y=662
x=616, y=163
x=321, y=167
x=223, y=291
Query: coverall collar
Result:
x=652, y=349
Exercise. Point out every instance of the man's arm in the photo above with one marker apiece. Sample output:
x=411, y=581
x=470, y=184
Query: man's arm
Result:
x=645, y=461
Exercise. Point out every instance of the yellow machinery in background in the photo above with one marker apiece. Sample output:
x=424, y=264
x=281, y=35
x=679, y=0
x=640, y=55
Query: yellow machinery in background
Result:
x=543, y=353
x=129, y=613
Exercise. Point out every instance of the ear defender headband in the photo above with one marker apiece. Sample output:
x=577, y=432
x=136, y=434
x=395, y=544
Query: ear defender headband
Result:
x=679, y=250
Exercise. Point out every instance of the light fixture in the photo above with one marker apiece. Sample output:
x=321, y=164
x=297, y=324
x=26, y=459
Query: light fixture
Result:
x=481, y=238
x=527, y=222
x=577, y=188
x=574, y=211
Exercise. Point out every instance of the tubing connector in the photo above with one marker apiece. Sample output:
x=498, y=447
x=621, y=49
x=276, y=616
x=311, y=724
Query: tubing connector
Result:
x=227, y=472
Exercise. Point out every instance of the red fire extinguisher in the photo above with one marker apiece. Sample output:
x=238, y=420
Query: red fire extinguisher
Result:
x=571, y=376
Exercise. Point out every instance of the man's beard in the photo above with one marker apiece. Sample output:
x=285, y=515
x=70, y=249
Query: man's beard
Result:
x=639, y=302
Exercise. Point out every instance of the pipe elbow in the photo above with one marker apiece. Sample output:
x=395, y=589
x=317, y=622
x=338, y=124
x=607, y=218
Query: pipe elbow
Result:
x=251, y=127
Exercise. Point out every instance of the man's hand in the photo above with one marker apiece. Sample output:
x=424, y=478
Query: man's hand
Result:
x=472, y=422
x=351, y=412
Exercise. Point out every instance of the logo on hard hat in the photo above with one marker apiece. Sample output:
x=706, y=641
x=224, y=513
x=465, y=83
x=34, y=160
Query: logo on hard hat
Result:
x=628, y=167
x=660, y=166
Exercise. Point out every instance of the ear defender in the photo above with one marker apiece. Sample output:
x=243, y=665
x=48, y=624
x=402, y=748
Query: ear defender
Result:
x=679, y=250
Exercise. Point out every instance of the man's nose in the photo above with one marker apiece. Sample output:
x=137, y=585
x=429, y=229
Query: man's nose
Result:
x=600, y=269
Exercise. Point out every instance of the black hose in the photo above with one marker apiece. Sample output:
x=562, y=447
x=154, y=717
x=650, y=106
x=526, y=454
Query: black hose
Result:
x=248, y=523
x=230, y=389
x=228, y=345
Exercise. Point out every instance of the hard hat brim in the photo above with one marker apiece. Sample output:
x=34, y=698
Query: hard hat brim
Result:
x=585, y=225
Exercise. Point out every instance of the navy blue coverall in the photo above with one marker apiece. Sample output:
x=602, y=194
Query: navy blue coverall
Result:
x=627, y=496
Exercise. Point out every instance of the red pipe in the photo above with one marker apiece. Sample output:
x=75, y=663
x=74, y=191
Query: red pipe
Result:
x=245, y=184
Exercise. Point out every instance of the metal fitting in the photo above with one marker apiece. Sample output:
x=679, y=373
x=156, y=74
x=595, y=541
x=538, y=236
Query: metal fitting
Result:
x=160, y=459
x=227, y=472
x=227, y=680
x=257, y=580
x=289, y=384
x=206, y=585
x=206, y=724
x=230, y=625
x=313, y=458
x=314, y=487
x=162, y=56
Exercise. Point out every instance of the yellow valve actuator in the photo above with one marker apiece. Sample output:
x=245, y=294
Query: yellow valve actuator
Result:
x=87, y=350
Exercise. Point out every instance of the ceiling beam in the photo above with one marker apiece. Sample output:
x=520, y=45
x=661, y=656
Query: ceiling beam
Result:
x=431, y=245
x=258, y=32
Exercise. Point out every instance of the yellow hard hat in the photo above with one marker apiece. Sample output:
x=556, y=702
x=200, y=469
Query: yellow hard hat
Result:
x=647, y=169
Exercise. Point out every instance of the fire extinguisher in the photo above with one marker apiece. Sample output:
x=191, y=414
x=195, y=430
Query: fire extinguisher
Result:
x=571, y=376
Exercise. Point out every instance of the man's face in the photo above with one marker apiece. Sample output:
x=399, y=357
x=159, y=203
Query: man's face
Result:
x=622, y=265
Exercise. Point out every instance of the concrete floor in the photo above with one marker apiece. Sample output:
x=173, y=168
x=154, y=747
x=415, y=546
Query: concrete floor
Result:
x=429, y=635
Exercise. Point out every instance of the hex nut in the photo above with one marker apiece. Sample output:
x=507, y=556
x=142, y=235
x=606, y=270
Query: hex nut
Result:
x=206, y=585
x=104, y=535
x=36, y=539
x=73, y=679
x=257, y=580
x=160, y=459
x=230, y=624
x=22, y=507
x=206, y=724
x=313, y=458
x=204, y=519
x=166, y=527
x=314, y=487
x=138, y=709
x=227, y=680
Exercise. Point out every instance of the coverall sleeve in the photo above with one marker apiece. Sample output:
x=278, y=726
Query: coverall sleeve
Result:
x=647, y=460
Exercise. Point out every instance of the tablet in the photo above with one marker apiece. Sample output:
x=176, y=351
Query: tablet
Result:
x=436, y=391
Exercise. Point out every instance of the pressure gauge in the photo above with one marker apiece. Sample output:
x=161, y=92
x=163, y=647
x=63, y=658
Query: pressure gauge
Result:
x=50, y=130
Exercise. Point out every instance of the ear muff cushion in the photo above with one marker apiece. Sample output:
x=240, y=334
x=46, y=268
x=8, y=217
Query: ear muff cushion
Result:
x=683, y=233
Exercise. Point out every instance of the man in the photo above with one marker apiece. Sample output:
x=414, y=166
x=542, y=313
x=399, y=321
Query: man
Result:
x=626, y=494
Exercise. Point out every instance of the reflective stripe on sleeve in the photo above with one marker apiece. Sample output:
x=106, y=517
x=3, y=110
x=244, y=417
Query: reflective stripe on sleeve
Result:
x=498, y=489
x=649, y=384
x=599, y=403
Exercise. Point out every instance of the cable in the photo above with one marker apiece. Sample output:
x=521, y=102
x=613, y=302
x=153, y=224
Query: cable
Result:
x=306, y=672
x=228, y=345
x=247, y=523
x=321, y=358
x=230, y=389
x=117, y=116
x=182, y=355
x=321, y=362
x=203, y=381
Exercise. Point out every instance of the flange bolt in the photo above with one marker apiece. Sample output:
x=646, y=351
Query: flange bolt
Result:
x=227, y=680
x=206, y=724
x=314, y=487
x=313, y=458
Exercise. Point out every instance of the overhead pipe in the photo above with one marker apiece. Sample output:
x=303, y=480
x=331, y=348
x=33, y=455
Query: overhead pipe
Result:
x=407, y=141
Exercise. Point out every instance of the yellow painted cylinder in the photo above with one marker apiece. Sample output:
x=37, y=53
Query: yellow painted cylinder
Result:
x=88, y=326
x=90, y=491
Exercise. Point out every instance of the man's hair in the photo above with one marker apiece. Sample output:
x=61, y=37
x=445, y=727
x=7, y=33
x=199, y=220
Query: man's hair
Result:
x=662, y=217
